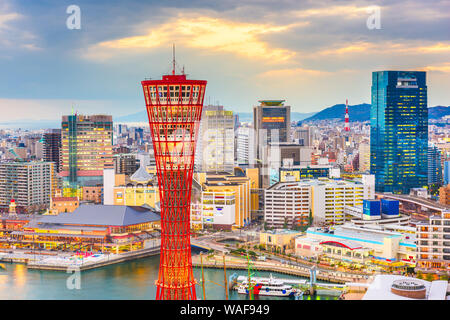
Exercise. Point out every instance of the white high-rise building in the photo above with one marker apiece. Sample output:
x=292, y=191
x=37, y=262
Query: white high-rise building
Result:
x=215, y=147
x=288, y=202
x=245, y=146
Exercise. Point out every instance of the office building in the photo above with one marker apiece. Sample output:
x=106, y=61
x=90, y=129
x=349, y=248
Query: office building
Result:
x=434, y=165
x=52, y=147
x=86, y=148
x=272, y=121
x=399, y=130
x=215, y=147
x=287, y=205
x=291, y=202
x=276, y=155
x=446, y=172
x=237, y=188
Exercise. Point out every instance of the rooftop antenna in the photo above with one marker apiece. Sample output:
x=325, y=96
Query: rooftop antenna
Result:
x=173, y=59
x=182, y=71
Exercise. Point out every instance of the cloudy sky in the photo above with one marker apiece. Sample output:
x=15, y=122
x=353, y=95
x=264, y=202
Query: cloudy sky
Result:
x=311, y=53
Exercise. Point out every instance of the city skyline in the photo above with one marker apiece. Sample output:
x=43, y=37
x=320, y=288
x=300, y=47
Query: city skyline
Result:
x=291, y=51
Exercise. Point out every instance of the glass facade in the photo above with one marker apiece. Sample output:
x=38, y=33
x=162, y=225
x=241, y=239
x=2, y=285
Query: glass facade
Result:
x=399, y=130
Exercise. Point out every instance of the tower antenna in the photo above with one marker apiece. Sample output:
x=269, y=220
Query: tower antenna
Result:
x=173, y=59
x=347, y=124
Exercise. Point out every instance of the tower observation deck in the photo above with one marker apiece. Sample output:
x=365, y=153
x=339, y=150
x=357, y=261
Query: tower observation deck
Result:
x=174, y=106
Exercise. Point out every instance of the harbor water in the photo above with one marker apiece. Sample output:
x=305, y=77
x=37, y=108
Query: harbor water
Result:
x=127, y=280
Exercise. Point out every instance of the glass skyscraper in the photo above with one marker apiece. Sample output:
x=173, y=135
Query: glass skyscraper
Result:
x=399, y=130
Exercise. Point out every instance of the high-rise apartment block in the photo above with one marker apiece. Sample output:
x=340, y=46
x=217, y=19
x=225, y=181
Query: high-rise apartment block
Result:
x=399, y=130
x=30, y=184
x=433, y=243
x=86, y=147
x=126, y=163
x=215, y=147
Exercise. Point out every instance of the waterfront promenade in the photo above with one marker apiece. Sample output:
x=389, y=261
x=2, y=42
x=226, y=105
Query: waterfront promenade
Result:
x=63, y=261
x=232, y=262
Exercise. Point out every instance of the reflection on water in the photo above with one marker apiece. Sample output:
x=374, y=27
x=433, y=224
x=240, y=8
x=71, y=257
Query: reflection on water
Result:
x=127, y=280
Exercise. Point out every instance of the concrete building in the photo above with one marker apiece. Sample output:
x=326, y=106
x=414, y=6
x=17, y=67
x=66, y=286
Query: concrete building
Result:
x=364, y=157
x=215, y=209
x=444, y=195
x=64, y=204
x=215, y=147
x=31, y=184
x=331, y=196
x=125, y=163
x=139, y=189
x=291, y=202
x=239, y=184
x=287, y=204
x=245, y=146
x=433, y=244
x=279, y=240
x=276, y=155
x=303, y=136
x=387, y=248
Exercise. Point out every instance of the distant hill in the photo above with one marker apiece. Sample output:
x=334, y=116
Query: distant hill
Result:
x=243, y=117
x=358, y=112
x=438, y=112
x=140, y=116
x=361, y=112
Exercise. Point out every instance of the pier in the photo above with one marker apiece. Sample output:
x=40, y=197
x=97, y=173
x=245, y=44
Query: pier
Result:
x=323, y=275
x=62, y=262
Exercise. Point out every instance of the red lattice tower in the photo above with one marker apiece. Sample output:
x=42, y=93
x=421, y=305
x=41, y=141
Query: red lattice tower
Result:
x=174, y=107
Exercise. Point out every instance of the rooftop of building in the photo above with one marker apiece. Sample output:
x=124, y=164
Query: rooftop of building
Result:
x=281, y=231
x=333, y=183
x=141, y=175
x=60, y=199
x=380, y=288
x=103, y=215
x=370, y=234
x=272, y=103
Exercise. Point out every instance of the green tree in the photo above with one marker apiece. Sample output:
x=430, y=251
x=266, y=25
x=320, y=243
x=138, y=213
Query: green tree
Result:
x=429, y=277
x=444, y=277
x=419, y=275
